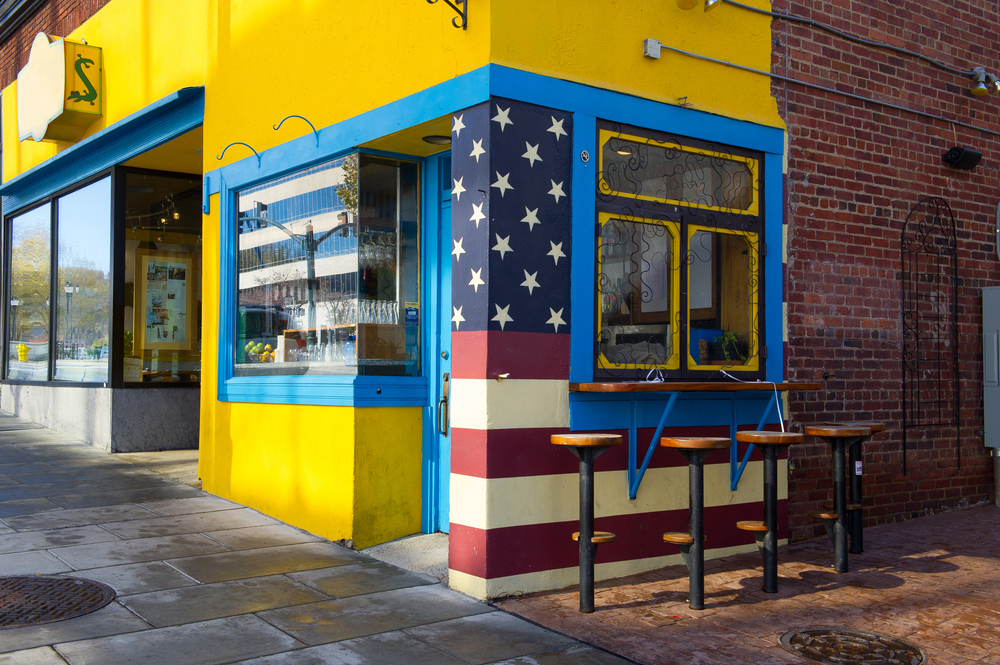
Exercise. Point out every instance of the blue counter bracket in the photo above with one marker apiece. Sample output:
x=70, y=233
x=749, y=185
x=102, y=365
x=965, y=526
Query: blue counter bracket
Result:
x=736, y=465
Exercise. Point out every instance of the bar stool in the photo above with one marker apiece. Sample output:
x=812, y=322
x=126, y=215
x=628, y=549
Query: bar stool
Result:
x=854, y=515
x=771, y=444
x=692, y=544
x=587, y=448
x=839, y=438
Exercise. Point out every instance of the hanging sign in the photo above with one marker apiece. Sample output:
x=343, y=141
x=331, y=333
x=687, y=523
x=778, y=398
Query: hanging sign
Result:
x=59, y=91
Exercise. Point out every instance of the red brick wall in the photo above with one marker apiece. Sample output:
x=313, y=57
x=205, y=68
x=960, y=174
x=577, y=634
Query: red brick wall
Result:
x=58, y=18
x=855, y=170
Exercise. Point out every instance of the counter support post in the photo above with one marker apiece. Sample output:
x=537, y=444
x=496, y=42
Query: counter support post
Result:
x=855, y=517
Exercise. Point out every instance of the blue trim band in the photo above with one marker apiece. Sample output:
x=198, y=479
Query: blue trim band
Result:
x=175, y=114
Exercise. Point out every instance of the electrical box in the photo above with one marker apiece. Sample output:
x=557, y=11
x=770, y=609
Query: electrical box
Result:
x=991, y=366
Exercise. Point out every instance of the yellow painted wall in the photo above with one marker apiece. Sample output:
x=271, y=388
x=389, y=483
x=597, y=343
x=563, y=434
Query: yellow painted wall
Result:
x=599, y=43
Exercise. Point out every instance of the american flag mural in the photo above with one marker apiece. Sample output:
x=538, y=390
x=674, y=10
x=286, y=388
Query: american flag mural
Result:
x=511, y=164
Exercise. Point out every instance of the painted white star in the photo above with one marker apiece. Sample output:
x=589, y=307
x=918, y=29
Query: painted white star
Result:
x=529, y=281
x=556, y=318
x=458, y=189
x=502, y=317
x=459, y=250
x=556, y=252
x=502, y=117
x=556, y=128
x=532, y=154
x=476, y=280
x=556, y=190
x=458, y=319
x=477, y=149
x=531, y=217
x=503, y=185
x=502, y=246
x=459, y=125
x=477, y=213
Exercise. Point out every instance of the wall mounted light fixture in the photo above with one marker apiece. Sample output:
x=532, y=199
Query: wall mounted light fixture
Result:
x=962, y=158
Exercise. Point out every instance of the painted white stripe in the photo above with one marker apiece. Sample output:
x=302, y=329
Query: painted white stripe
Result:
x=494, y=503
x=509, y=404
x=515, y=585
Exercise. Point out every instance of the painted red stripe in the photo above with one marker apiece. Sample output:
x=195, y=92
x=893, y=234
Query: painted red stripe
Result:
x=481, y=354
x=515, y=453
x=535, y=548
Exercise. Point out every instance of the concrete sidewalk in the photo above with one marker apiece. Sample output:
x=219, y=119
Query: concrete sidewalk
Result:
x=200, y=580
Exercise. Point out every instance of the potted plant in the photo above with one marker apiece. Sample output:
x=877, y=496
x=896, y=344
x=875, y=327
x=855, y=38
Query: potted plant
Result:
x=729, y=348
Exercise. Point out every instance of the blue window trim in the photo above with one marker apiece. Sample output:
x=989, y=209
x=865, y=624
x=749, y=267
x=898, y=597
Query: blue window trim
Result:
x=154, y=125
x=587, y=104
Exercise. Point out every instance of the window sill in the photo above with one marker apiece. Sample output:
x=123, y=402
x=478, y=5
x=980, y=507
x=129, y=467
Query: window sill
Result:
x=358, y=391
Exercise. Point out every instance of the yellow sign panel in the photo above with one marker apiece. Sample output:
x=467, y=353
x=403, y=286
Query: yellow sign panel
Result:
x=59, y=90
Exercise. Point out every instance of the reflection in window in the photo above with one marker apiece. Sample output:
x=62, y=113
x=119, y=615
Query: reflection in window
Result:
x=162, y=337
x=28, y=346
x=668, y=172
x=327, y=271
x=637, y=265
x=83, y=283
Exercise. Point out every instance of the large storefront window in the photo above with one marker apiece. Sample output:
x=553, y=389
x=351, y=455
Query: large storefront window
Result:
x=83, y=283
x=678, y=259
x=327, y=271
x=162, y=245
x=30, y=266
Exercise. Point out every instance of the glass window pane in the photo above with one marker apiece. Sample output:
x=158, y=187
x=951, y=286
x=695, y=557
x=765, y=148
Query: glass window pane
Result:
x=637, y=293
x=28, y=348
x=83, y=283
x=327, y=271
x=162, y=338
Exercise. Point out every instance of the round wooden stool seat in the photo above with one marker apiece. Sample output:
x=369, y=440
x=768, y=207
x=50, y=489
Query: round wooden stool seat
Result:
x=873, y=425
x=751, y=525
x=599, y=537
x=823, y=515
x=837, y=432
x=678, y=538
x=696, y=443
x=584, y=439
x=759, y=438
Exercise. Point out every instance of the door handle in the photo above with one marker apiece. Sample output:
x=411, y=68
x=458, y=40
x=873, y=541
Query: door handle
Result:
x=442, y=409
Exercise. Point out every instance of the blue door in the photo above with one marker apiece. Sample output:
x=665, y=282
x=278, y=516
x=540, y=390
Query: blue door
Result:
x=437, y=281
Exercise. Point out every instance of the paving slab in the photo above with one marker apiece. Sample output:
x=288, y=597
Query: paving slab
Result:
x=359, y=578
x=100, y=555
x=41, y=540
x=214, y=601
x=102, y=498
x=266, y=561
x=485, y=638
x=392, y=647
x=26, y=507
x=25, y=467
x=335, y=620
x=197, y=523
x=208, y=643
x=112, y=619
x=32, y=563
x=201, y=503
x=45, y=490
x=256, y=537
x=138, y=577
x=39, y=656
x=59, y=518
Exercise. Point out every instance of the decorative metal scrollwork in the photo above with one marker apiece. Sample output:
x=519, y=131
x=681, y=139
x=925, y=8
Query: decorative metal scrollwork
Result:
x=679, y=244
x=930, y=320
x=463, y=14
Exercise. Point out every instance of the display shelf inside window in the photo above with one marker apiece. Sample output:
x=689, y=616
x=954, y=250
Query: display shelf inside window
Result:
x=328, y=265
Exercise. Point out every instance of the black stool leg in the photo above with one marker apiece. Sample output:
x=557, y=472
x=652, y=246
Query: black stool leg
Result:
x=588, y=549
x=857, y=537
x=696, y=512
x=840, y=507
x=769, y=550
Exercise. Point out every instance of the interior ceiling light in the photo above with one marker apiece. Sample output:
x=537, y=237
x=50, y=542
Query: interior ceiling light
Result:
x=979, y=82
x=437, y=139
x=177, y=215
x=710, y=4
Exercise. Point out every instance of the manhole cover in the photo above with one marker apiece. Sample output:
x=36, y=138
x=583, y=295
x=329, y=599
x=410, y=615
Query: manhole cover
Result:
x=37, y=599
x=830, y=644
